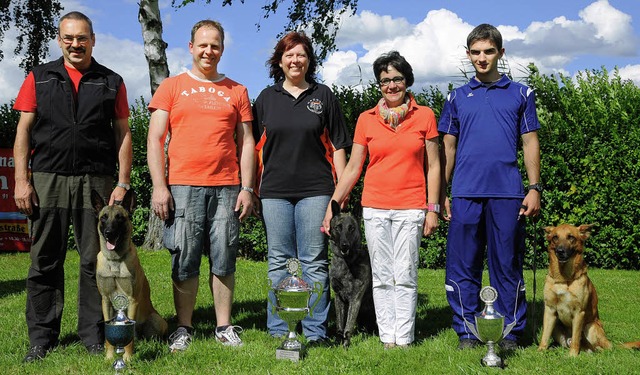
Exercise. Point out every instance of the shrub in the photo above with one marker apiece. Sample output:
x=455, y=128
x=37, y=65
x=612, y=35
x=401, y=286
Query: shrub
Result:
x=590, y=147
x=590, y=163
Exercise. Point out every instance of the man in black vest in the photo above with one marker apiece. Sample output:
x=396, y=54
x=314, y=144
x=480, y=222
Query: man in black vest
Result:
x=74, y=130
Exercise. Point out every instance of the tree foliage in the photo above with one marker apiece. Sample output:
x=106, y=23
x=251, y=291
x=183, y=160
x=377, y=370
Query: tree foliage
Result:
x=35, y=22
x=590, y=146
x=319, y=17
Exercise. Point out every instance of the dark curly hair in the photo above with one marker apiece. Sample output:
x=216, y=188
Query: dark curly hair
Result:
x=395, y=59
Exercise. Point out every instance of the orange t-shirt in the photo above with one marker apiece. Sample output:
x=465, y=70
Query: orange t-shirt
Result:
x=396, y=174
x=203, y=116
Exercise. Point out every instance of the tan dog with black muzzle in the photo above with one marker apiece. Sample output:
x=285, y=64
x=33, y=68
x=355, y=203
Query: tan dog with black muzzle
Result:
x=118, y=271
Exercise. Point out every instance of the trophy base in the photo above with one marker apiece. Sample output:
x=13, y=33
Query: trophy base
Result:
x=492, y=361
x=290, y=354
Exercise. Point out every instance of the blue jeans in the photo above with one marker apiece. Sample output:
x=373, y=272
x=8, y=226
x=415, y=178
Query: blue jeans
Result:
x=293, y=230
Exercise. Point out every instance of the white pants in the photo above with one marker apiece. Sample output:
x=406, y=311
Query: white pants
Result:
x=393, y=238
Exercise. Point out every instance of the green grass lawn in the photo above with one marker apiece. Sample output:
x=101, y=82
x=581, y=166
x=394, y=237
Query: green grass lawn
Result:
x=434, y=351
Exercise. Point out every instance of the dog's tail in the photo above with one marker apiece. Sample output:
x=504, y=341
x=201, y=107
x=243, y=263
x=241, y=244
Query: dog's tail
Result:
x=632, y=345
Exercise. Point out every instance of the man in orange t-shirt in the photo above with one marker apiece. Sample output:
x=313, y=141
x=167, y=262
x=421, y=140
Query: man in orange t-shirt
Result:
x=207, y=189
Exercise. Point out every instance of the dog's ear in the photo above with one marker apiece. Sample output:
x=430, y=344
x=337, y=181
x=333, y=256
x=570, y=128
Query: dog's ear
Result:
x=97, y=201
x=585, y=230
x=129, y=201
x=335, y=208
x=548, y=231
x=356, y=211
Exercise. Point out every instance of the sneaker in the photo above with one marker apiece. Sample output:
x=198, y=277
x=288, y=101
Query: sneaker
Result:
x=229, y=336
x=389, y=345
x=508, y=344
x=180, y=340
x=36, y=353
x=95, y=349
x=468, y=344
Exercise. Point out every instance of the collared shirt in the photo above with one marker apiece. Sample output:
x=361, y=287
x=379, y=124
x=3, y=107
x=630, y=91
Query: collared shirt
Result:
x=395, y=176
x=295, y=140
x=488, y=121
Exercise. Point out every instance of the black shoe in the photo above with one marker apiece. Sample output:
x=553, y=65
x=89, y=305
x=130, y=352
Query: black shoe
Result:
x=36, y=353
x=322, y=342
x=508, y=344
x=95, y=349
x=468, y=344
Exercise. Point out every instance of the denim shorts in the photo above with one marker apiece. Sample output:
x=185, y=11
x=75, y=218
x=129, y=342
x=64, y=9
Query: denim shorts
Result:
x=204, y=217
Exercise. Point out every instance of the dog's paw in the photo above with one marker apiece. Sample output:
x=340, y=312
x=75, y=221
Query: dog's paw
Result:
x=127, y=357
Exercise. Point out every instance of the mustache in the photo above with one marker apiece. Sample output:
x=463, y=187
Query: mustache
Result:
x=77, y=49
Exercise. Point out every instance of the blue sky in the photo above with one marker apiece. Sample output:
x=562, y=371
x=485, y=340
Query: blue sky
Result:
x=563, y=36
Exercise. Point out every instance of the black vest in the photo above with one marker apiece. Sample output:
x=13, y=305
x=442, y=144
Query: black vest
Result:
x=69, y=137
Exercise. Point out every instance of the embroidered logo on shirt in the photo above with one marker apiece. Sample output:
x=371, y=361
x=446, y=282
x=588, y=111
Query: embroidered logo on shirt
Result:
x=315, y=106
x=469, y=95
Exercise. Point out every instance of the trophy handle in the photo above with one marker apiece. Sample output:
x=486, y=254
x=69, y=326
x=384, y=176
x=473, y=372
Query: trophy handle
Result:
x=269, y=290
x=472, y=328
x=317, y=289
x=508, y=328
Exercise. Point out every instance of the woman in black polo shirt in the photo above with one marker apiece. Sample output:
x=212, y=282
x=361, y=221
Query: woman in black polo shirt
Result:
x=301, y=138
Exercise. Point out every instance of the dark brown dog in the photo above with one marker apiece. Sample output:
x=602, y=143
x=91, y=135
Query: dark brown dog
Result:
x=350, y=275
x=571, y=302
x=118, y=271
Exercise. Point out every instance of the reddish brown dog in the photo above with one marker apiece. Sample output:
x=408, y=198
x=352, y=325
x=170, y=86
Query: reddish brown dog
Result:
x=570, y=299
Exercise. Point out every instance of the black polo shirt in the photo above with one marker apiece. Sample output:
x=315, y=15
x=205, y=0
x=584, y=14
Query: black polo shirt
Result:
x=295, y=138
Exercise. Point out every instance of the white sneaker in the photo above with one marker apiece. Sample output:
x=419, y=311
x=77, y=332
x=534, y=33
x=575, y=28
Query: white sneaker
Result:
x=229, y=336
x=180, y=340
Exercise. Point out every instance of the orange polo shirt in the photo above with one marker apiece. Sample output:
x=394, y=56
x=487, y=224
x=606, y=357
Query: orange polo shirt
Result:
x=396, y=174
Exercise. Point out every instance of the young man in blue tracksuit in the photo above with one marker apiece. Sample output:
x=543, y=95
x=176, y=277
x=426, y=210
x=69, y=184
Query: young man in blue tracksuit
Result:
x=482, y=122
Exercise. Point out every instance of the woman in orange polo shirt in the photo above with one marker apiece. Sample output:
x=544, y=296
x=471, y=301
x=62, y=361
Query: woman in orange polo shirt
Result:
x=400, y=138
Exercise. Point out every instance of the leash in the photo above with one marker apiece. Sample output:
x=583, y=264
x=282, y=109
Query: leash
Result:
x=534, y=266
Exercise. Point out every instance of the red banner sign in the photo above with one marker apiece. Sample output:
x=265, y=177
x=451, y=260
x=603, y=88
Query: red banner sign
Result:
x=14, y=227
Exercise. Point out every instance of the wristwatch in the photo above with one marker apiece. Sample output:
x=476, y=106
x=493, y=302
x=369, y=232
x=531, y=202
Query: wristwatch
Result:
x=124, y=186
x=433, y=207
x=246, y=188
x=537, y=187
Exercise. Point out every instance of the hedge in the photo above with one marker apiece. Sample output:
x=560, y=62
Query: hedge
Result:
x=590, y=165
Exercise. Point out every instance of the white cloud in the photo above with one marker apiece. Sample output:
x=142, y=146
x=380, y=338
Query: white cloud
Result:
x=612, y=26
x=631, y=72
x=435, y=46
x=368, y=28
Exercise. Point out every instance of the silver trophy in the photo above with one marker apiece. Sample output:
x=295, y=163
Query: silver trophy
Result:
x=119, y=331
x=292, y=305
x=489, y=327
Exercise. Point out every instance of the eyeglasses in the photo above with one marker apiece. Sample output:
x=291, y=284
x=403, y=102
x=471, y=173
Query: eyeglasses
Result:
x=386, y=81
x=68, y=39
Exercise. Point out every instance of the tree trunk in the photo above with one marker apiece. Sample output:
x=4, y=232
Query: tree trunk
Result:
x=155, y=52
x=154, y=47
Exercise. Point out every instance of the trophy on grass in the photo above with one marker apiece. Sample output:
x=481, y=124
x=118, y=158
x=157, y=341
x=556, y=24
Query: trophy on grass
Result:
x=489, y=327
x=119, y=331
x=292, y=305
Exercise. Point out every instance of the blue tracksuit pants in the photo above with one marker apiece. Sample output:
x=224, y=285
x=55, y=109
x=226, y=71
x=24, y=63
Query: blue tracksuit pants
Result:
x=492, y=224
